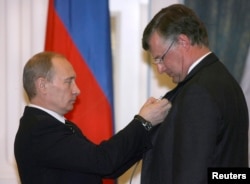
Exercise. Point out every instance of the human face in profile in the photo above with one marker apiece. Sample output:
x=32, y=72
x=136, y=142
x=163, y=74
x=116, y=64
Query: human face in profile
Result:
x=62, y=90
x=168, y=57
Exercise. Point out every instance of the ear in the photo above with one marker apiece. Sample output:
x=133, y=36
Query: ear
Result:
x=184, y=41
x=41, y=84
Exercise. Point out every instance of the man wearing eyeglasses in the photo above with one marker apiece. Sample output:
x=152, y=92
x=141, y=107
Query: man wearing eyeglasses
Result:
x=208, y=124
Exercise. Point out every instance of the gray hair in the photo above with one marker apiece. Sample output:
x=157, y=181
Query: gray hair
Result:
x=40, y=65
x=175, y=20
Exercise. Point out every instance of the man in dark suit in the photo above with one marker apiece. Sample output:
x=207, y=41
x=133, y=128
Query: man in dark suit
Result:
x=52, y=150
x=207, y=125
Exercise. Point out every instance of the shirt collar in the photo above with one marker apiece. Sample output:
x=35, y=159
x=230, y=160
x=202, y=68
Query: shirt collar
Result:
x=197, y=62
x=52, y=113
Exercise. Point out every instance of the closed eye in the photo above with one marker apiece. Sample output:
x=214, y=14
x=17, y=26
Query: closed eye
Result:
x=69, y=80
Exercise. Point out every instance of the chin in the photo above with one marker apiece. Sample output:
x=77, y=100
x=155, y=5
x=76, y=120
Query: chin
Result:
x=175, y=81
x=70, y=108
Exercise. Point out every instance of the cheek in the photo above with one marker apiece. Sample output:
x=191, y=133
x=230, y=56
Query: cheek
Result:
x=67, y=95
x=176, y=64
x=57, y=95
x=171, y=66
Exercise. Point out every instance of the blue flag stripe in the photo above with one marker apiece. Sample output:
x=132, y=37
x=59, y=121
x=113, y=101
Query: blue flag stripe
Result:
x=91, y=18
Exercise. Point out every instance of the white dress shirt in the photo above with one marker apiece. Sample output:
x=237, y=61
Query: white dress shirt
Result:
x=52, y=113
x=197, y=62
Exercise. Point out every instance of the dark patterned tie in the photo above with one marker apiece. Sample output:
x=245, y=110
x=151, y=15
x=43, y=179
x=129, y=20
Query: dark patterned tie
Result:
x=70, y=126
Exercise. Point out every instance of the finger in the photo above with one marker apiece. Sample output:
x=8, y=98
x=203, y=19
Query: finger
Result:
x=163, y=102
x=150, y=100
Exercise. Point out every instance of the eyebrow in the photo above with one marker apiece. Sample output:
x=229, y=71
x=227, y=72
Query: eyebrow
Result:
x=70, y=78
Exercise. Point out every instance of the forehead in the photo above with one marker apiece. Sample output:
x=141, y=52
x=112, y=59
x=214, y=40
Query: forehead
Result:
x=156, y=40
x=62, y=66
x=157, y=44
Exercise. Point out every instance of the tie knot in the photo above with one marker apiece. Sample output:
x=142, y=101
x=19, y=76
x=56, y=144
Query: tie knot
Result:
x=70, y=126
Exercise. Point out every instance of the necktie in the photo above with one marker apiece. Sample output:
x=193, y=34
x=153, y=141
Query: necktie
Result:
x=75, y=130
x=70, y=126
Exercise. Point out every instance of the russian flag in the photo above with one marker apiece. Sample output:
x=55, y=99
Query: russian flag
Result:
x=80, y=29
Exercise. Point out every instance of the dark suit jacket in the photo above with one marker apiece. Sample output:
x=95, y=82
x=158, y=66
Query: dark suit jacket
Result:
x=207, y=126
x=50, y=152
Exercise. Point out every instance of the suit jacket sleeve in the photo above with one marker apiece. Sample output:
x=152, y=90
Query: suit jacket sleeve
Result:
x=58, y=147
x=195, y=137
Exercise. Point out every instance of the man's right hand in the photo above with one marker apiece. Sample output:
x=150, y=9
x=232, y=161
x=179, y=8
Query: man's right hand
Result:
x=155, y=110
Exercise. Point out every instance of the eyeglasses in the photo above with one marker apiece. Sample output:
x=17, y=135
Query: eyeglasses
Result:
x=158, y=60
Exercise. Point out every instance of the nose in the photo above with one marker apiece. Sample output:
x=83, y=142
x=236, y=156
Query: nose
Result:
x=160, y=68
x=76, y=90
